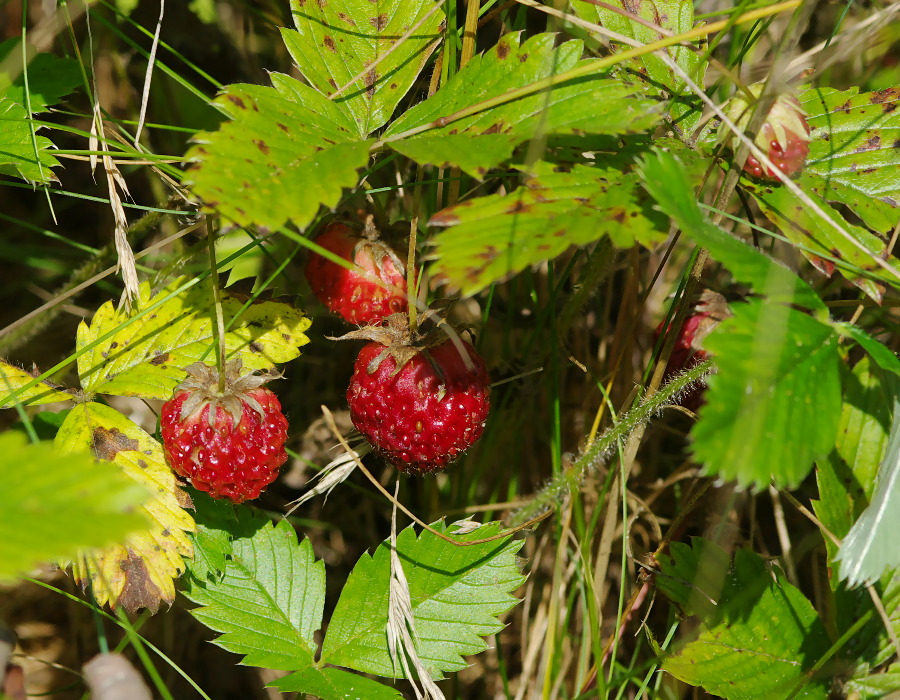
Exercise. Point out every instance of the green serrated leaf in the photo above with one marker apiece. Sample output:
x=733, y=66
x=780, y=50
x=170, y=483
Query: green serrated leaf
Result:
x=869, y=549
x=286, y=151
x=856, y=257
x=52, y=506
x=147, y=358
x=498, y=235
x=140, y=572
x=335, y=684
x=216, y=520
x=853, y=155
x=591, y=105
x=456, y=594
x=23, y=153
x=877, y=686
x=12, y=378
x=666, y=179
x=268, y=604
x=337, y=41
x=884, y=357
x=693, y=575
x=760, y=641
x=774, y=405
x=676, y=16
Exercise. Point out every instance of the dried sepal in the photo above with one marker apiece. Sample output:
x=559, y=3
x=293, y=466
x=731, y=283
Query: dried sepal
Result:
x=202, y=385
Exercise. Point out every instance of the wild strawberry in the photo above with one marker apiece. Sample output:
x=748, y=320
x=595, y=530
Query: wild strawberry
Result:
x=783, y=137
x=421, y=401
x=364, y=296
x=228, y=443
x=687, y=352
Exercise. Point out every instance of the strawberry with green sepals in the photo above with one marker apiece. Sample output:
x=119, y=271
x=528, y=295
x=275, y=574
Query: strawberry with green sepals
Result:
x=228, y=442
x=783, y=137
x=371, y=292
x=420, y=399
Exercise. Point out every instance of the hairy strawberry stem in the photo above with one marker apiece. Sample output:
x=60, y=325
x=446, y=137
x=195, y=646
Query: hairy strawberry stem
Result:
x=219, y=335
x=556, y=490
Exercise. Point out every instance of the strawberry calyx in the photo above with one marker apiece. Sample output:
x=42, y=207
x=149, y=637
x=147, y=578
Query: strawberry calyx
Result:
x=202, y=386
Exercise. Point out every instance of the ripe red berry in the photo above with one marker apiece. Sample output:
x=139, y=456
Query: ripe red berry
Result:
x=230, y=443
x=373, y=291
x=783, y=137
x=419, y=408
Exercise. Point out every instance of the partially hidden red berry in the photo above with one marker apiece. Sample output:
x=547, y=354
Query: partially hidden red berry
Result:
x=419, y=408
x=373, y=290
x=783, y=137
x=229, y=444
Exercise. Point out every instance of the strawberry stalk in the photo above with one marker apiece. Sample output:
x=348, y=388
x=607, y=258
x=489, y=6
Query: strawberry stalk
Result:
x=219, y=336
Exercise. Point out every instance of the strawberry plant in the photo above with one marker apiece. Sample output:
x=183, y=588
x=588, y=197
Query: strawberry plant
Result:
x=619, y=416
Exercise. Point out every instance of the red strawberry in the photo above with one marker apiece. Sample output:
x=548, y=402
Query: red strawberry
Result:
x=421, y=403
x=366, y=296
x=229, y=443
x=783, y=137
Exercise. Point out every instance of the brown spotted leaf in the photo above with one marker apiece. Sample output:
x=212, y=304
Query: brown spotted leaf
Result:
x=140, y=572
x=144, y=352
x=12, y=379
x=822, y=244
x=496, y=236
x=52, y=506
x=592, y=105
x=286, y=152
x=854, y=152
x=674, y=17
x=340, y=41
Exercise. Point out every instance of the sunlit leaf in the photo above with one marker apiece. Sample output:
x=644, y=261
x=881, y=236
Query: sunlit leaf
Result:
x=139, y=573
x=335, y=684
x=591, y=105
x=12, y=379
x=287, y=151
x=146, y=356
x=774, y=404
x=53, y=505
x=338, y=40
x=456, y=593
x=268, y=603
x=496, y=236
x=853, y=155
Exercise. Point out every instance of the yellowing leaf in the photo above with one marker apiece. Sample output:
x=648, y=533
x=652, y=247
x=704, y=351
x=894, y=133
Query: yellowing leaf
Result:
x=145, y=353
x=13, y=378
x=141, y=572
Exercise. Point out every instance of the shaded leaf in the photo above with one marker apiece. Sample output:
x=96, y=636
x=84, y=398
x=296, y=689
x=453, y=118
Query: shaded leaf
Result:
x=592, y=105
x=819, y=241
x=853, y=154
x=335, y=684
x=12, y=378
x=147, y=355
x=676, y=16
x=140, y=572
x=884, y=357
x=52, y=506
x=337, y=40
x=216, y=521
x=456, y=594
x=268, y=604
x=498, y=235
x=22, y=153
x=759, y=641
x=869, y=549
x=774, y=405
x=286, y=151
x=693, y=575
x=666, y=179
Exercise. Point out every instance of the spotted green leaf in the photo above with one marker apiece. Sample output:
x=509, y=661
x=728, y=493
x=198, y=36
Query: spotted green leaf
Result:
x=12, y=379
x=591, y=105
x=854, y=155
x=140, y=572
x=143, y=352
x=340, y=41
x=490, y=238
x=52, y=506
x=286, y=151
